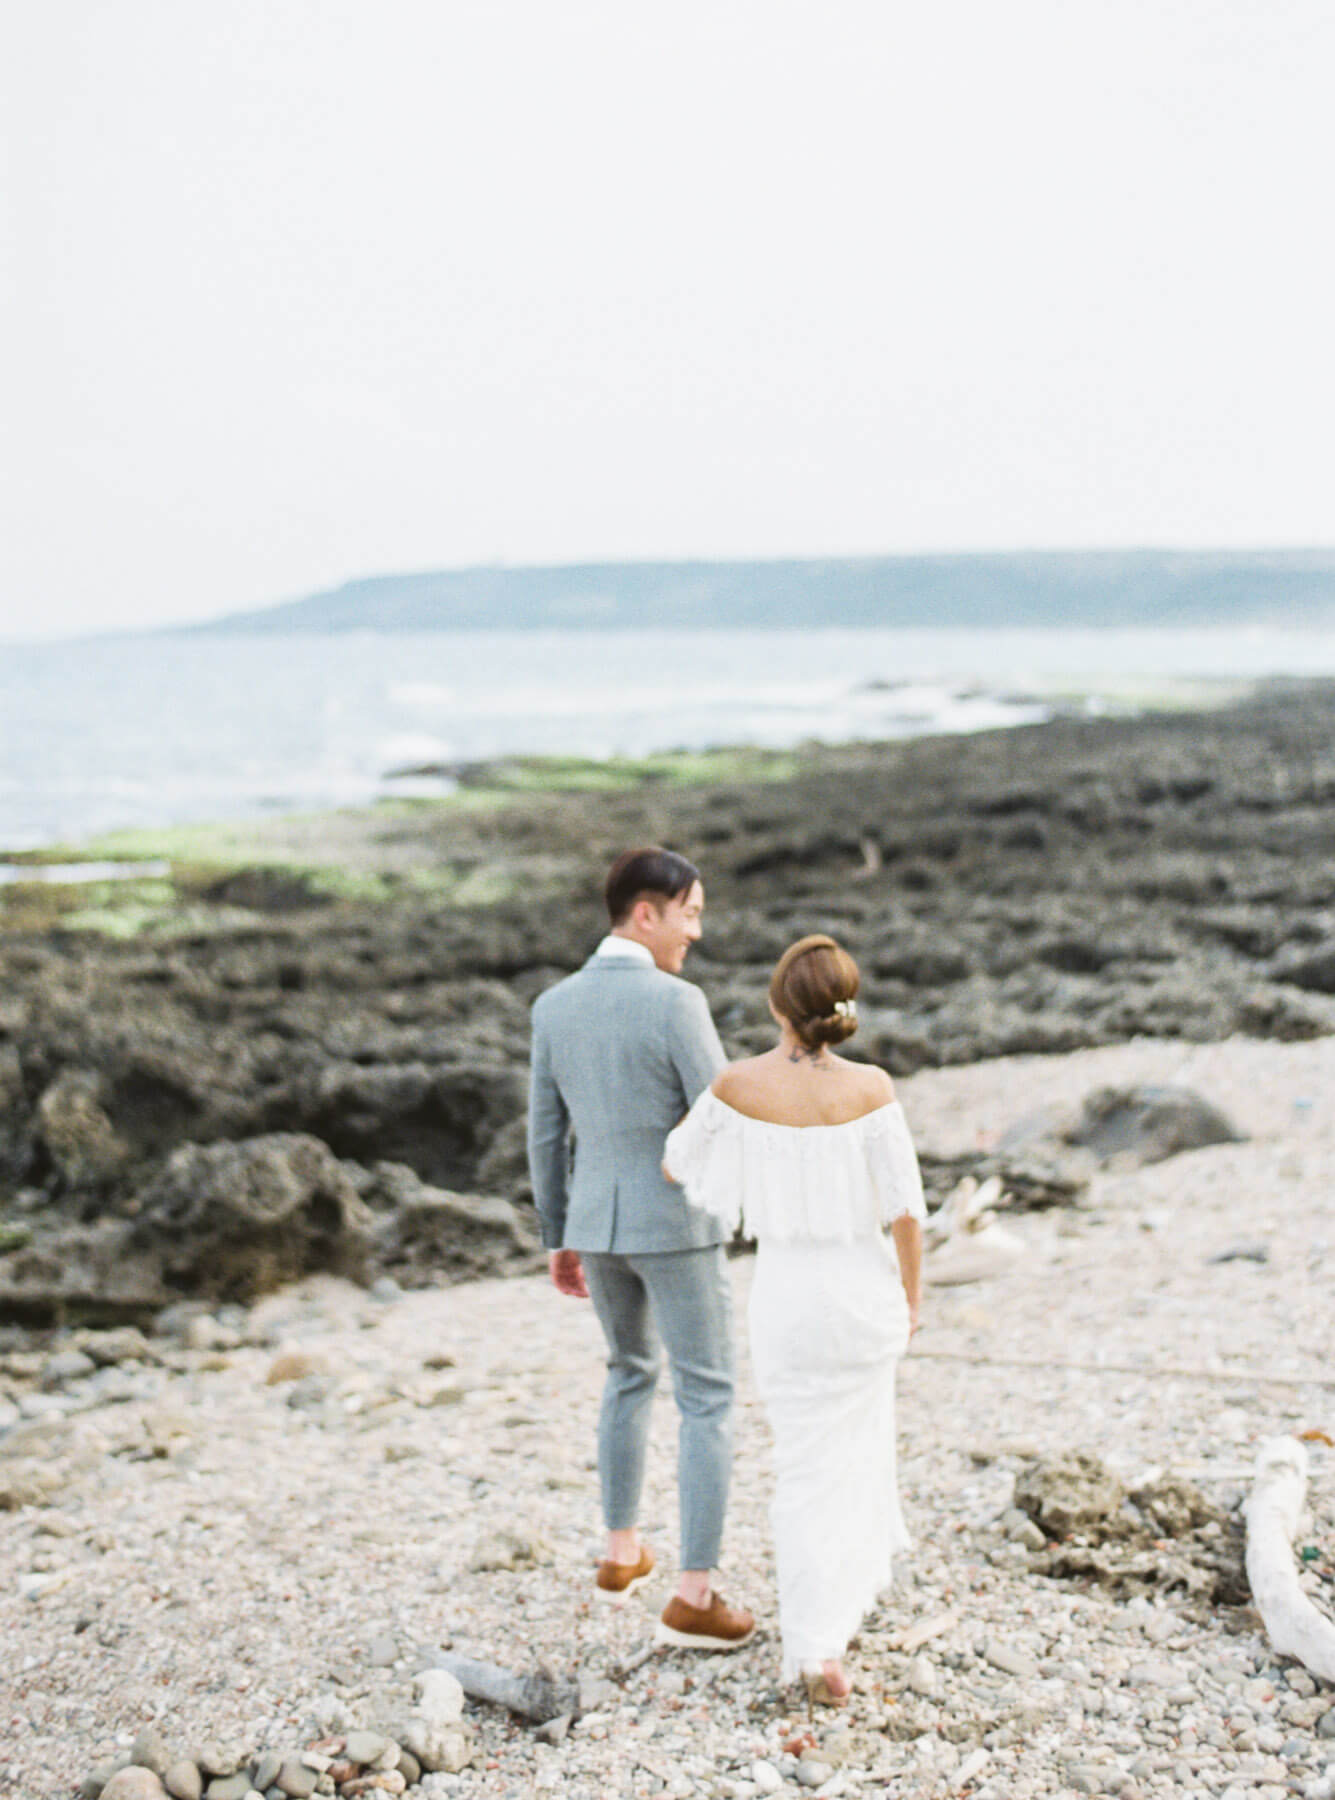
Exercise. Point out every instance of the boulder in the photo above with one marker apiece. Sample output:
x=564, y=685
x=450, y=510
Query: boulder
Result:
x=235, y=1220
x=1124, y=1126
x=425, y=1234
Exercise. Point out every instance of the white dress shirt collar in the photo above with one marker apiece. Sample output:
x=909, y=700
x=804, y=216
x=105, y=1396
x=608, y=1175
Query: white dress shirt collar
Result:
x=626, y=948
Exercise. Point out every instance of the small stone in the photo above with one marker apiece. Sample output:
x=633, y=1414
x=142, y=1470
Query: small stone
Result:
x=439, y=1748
x=1009, y=1660
x=134, y=1784
x=922, y=1678
x=554, y=1731
x=97, y=1778
x=1300, y=1682
x=766, y=1777
x=66, y=1365
x=508, y=1550
x=202, y=1332
x=183, y=1780
x=265, y=1772
x=382, y=1651
x=440, y=1696
x=973, y=1765
x=409, y=1767
x=294, y=1778
x=1154, y=1675
x=1325, y=1725
x=813, y=1774
x=295, y=1365
x=228, y=1787
x=365, y=1746
x=214, y=1758
x=149, y=1752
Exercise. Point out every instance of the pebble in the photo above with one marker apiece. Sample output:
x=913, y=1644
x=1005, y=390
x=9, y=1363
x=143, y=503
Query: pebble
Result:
x=134, y=1784
x=183, y=1780
x=766, y=1777
x=1010, y=1660
x=922, y=1678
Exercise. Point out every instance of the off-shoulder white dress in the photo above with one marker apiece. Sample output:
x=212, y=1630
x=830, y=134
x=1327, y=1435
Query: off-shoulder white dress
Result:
x=828, y=1321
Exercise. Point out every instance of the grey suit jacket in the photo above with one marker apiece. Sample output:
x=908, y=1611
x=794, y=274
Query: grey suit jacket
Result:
x=620, y=1052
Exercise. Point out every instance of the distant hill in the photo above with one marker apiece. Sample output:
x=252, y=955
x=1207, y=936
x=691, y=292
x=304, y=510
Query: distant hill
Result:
x=1105, y=587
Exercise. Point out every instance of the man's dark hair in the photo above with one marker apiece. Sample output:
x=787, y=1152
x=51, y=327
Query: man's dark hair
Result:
x=653, y=871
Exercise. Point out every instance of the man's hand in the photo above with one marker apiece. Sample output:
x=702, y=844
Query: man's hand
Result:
x=568, y=1274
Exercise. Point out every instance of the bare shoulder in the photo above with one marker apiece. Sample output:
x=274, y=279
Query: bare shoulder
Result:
x=734, y=1083
x=876, y=1085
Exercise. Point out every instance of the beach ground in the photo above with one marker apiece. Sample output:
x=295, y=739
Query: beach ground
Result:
x=224, y=1558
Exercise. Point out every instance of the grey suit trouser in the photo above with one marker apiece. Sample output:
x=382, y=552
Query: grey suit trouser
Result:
x=683, y=1298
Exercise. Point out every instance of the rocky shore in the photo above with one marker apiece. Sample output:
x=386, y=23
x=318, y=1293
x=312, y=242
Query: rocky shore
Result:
x=275, y=1081
x=288, y=1417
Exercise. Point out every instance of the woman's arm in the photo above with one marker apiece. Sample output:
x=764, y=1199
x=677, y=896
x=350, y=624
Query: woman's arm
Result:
x=907, y=1233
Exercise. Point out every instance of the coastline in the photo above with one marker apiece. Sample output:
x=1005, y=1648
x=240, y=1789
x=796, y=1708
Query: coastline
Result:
x=200, y=1544
x=360, y=982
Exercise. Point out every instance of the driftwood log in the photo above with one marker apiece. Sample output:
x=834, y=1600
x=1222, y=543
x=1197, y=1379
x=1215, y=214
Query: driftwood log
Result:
x=538, y=1695
x=964, y=1241
x=1272, y=1509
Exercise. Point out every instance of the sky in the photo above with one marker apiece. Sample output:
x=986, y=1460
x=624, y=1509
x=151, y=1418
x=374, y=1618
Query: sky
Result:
x=298, y=291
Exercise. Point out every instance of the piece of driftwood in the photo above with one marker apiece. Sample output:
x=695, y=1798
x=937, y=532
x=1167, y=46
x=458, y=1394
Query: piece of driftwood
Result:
x=538, y=1695
x=913, y=1637
x=963, y=1240
x=1272, y=1509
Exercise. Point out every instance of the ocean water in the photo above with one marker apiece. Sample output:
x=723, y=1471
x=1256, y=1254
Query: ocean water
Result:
x=148, y=731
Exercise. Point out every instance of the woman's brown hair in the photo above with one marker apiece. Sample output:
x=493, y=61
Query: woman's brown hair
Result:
x=813, y=986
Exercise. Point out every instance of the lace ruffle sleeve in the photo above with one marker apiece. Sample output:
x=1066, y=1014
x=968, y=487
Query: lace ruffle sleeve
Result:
x=704, y=1154
x=892, y=1164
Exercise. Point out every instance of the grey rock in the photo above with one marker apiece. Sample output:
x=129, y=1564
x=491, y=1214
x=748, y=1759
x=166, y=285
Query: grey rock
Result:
x=382, y=1651
x=1325, y=1725
x=813, y=1774
x=149, y=1751
x=183, y=1780
x=265, y=1771
x=295, y=1779
x=97, y=1778
x=365, y=1746
x=228, y=1787
x=237, y=1220
x=66, y=1365
x=1128, y=1127
x=134, y=1784
x=508, y=1550
x=214, y=1758
x=554, y=1731
x=1074, y=1492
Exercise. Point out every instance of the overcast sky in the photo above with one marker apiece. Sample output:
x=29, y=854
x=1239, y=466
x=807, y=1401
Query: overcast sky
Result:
x=303, y=290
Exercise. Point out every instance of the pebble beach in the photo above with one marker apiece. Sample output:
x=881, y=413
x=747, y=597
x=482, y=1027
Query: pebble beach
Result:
x=250, y=1531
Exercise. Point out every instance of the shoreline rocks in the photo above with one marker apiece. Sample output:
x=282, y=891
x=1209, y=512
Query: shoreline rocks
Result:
x=1032, y=891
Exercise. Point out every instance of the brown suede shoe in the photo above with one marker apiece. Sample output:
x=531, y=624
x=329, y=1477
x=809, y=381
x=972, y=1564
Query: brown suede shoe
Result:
x=717, y=1626
x=616, y=1582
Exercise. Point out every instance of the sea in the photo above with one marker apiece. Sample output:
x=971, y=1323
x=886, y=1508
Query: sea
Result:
x=146, y=731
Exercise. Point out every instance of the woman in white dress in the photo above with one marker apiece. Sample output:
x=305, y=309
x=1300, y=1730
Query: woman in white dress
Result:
x=810, y=1154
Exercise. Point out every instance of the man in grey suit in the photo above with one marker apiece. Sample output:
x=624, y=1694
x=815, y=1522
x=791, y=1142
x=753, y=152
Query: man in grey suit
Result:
x=621, y=1049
